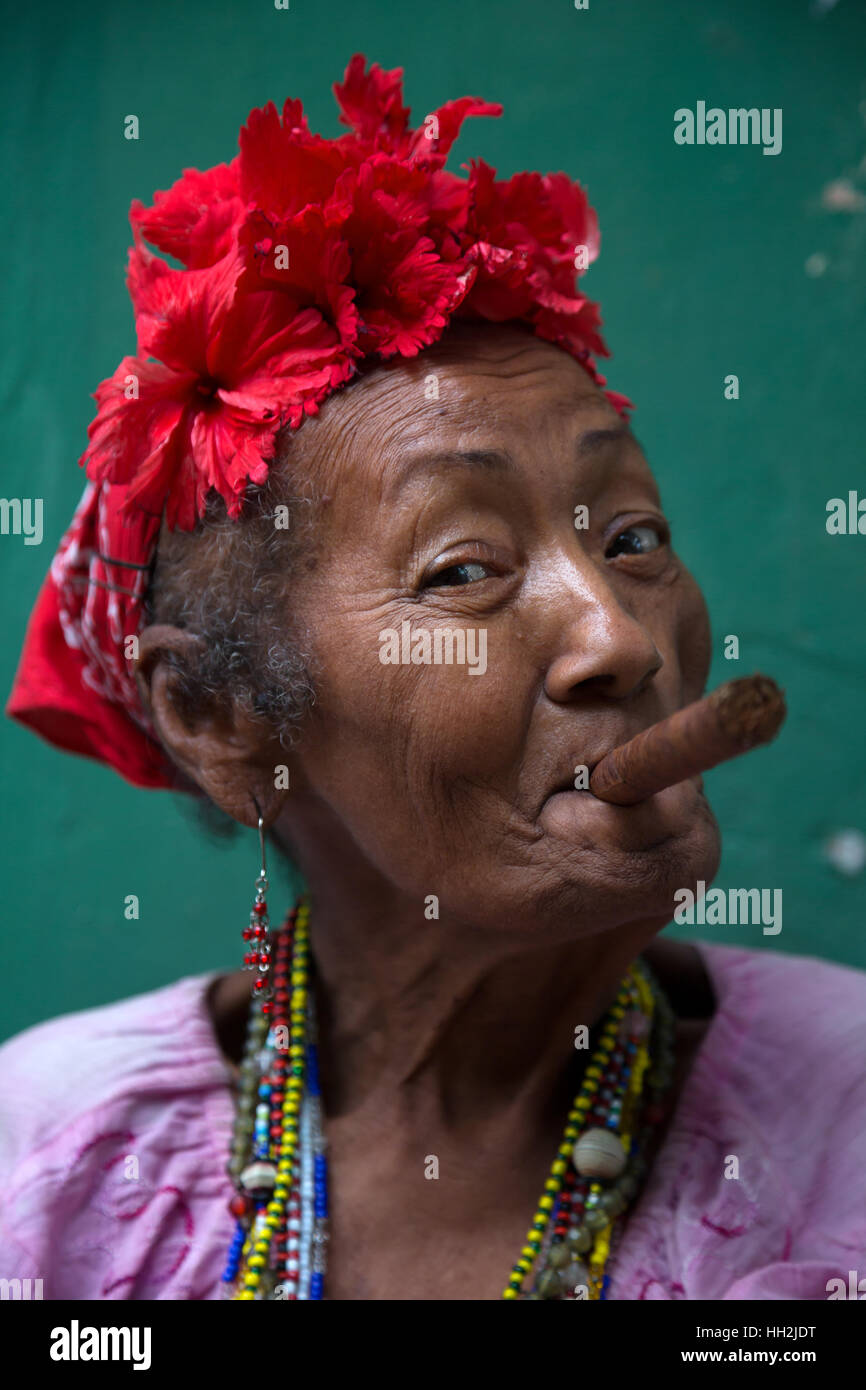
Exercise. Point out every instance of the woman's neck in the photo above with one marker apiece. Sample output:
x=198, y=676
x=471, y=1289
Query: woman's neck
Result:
x=426, y=1024
x=436, y=1024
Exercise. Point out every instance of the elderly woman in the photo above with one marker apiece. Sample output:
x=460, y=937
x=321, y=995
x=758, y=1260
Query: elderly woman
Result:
x=389, y=643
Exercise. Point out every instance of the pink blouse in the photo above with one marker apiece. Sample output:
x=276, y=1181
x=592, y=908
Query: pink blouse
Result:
x=115, y=1126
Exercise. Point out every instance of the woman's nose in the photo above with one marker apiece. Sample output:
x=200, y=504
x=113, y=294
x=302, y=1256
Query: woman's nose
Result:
x=599, y=642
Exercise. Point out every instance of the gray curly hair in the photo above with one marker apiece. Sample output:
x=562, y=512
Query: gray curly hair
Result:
x=227, y=582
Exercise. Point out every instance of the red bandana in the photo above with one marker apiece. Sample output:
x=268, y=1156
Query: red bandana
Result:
x=302, y=257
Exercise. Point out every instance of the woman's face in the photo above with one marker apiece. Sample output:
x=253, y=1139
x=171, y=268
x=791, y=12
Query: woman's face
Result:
x=452, y=483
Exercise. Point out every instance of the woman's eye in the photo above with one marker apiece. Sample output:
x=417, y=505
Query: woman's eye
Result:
x=468, y=573
x=636, y=540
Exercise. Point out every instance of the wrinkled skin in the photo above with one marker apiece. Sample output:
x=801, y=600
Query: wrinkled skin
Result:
x=417, y=780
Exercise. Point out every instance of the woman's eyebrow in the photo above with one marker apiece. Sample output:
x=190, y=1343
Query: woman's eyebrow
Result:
x=422, y=465
x=592, y=440
x=493, y=460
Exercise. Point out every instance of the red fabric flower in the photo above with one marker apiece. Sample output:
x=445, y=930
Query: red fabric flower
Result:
x=302, y=256
x=531, y=235
x=232, y=367
x=196, y=220
x=371, y=102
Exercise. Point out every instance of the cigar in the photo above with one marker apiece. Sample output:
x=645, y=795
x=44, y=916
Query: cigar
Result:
x=739, y=715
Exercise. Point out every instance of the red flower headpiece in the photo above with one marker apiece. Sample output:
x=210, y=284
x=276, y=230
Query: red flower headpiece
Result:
x=302, y=257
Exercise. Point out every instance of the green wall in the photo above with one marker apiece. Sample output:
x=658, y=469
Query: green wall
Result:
x=702, y=274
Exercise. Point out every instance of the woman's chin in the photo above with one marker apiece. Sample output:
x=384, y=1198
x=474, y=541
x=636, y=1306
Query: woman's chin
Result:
x=628, y=861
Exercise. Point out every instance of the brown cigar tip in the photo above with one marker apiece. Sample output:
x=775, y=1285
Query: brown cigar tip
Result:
x=751, y=709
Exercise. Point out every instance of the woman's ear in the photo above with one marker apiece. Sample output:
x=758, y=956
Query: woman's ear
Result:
x=235, y=758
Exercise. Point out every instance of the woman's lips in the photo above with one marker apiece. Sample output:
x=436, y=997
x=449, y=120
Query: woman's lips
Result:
x=579, y=818
x=567, y=787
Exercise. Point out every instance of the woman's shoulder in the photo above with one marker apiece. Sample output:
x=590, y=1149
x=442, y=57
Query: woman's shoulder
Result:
x=770, y=1027
x=787, y=995
x=766, y=990
x=115, y=1124
x=787, y=1038
x=56, y=1073
x=760, y=1189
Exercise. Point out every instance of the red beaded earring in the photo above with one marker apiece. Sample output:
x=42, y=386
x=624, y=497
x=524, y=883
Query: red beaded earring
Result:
x=257, y=935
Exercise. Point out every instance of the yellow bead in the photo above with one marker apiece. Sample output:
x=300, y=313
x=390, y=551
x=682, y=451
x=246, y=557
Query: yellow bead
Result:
x=509, y=1293
x=245, y=1294
x=253, y=1279
x=559, y=1166
x=545, y=1204
x=524, y=1265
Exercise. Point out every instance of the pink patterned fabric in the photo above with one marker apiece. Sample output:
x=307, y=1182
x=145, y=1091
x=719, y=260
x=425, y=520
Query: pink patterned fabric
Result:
x=778, y=1082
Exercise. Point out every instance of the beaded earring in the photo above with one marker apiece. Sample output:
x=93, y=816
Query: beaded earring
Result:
x=258, y=937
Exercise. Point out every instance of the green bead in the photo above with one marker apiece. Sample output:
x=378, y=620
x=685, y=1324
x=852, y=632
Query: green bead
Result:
x=579, y=1240
x=612, y=1202
x=549, y=1285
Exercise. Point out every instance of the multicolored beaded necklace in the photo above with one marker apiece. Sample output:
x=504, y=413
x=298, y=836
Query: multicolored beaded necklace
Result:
x=278, y=1162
